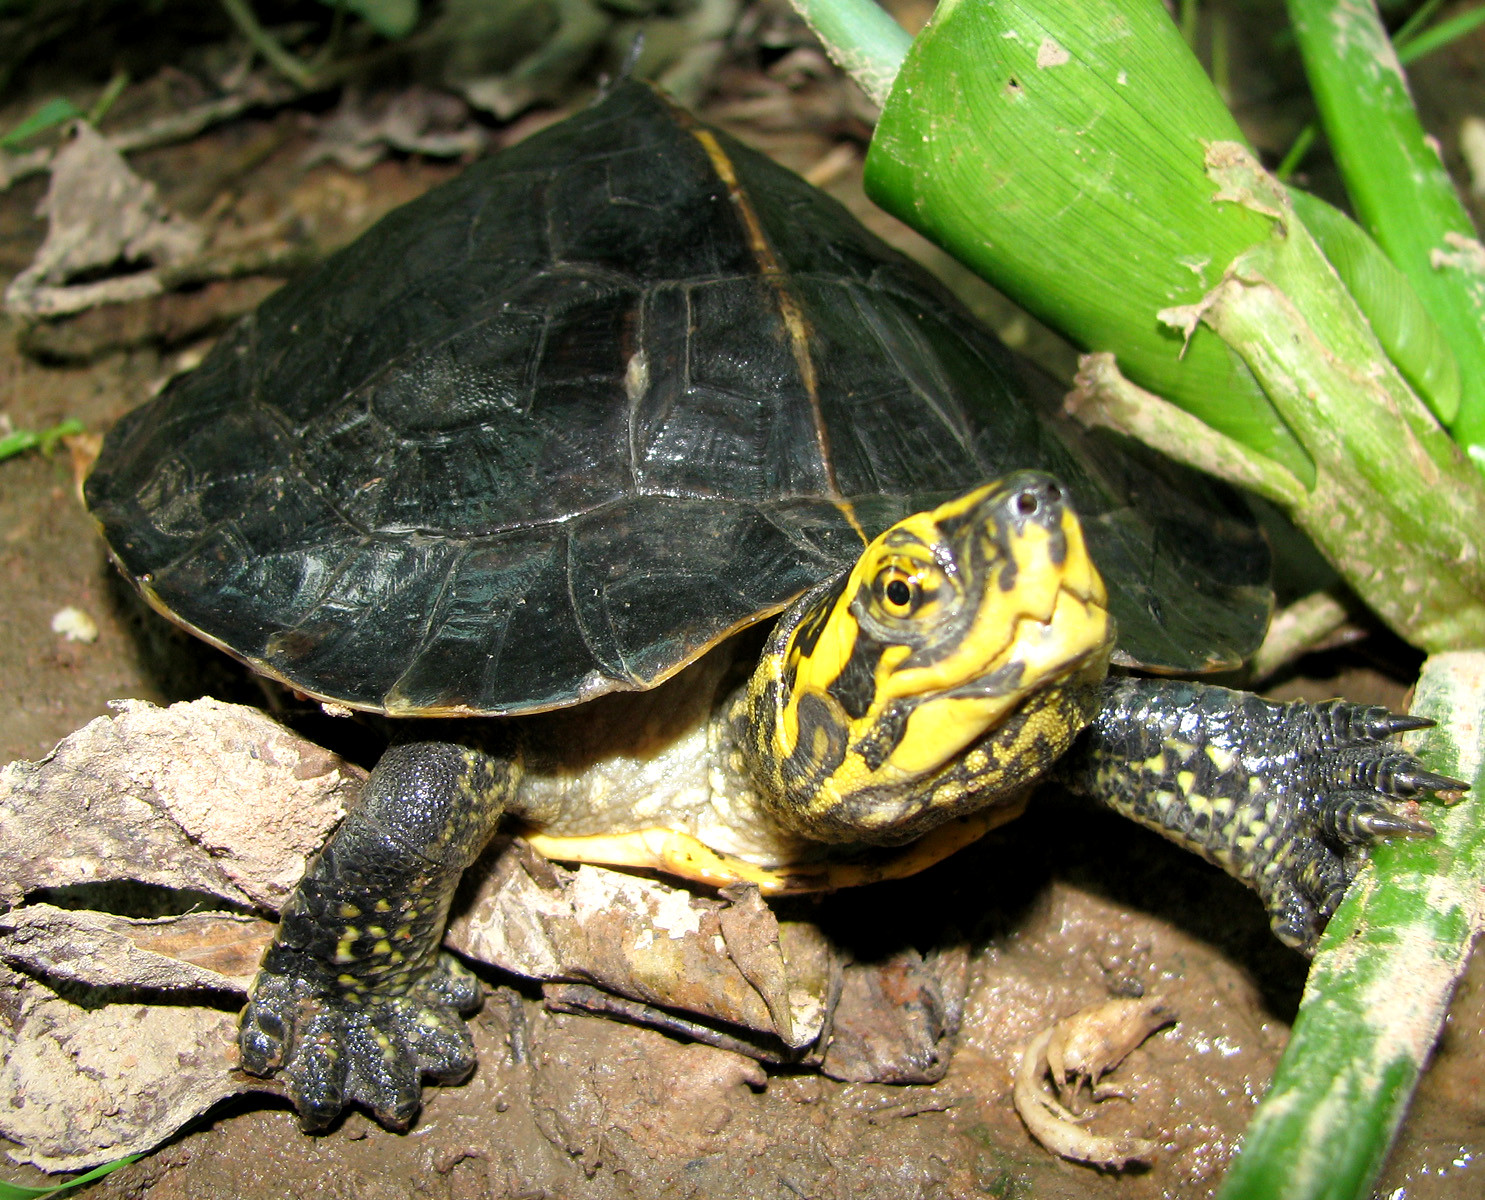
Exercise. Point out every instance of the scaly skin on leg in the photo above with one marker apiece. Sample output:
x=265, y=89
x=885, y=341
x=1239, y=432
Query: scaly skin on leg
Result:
x=353, y=1001
x=1284, y=797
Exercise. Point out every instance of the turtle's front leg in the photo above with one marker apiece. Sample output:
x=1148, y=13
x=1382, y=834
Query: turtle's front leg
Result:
x=1285, y=797
x=353, y=1001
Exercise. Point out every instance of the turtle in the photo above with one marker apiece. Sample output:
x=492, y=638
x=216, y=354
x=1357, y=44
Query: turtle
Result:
x=670, y=513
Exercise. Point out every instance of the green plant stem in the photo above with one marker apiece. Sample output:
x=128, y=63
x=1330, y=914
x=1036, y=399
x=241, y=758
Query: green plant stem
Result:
x=1398, y=187
x=1297, y=151
x=1421, y=17
x=1221, y=58
x=1411, y=45
x=1381, y=981
x=263, y=42
x=862, y=38
x=1409, y=335
x=1188, y=17
x=111, y=92
x=1387, y=474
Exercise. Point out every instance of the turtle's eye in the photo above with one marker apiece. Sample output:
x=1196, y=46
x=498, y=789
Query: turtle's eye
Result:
x=900, y=593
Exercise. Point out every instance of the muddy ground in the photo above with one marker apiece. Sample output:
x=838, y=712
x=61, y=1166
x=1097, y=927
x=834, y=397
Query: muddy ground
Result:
x=1063, y=908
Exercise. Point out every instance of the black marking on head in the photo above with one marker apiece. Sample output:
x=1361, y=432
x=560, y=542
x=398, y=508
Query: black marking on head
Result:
x=1057, y=545
x=856, y=686
x=898, y=538
x=1009, y=571
x=951, y=528
x=807, y=636
x=883, y=737
x=967, y=535
x=816, y=724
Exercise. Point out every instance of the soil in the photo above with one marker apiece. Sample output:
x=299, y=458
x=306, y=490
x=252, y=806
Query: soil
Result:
x=1064, y=908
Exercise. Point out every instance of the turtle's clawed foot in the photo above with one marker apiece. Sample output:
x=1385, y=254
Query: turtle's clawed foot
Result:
x=1364, y=793
x=360, y=1047
x=1285, y=797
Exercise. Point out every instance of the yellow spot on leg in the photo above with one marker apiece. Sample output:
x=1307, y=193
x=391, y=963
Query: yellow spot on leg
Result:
x=1222, y=758
x=348, y=937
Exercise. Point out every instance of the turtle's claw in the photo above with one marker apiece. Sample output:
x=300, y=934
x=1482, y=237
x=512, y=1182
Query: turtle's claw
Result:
x=453, y=983
x=343, y=1048
x=1416, y=781
x=1356, y=818
x=1342, y=723
x=1389, y=723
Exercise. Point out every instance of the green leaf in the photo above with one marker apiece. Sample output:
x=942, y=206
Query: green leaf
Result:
x=1398, y=187
x=390, y=18
x=1418, y=45
x=44, y=440
x=862, y=38
x=51, y=114
x=1057, y=147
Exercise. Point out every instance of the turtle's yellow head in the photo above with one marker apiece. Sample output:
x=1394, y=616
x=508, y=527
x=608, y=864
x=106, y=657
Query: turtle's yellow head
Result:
x=949, y=667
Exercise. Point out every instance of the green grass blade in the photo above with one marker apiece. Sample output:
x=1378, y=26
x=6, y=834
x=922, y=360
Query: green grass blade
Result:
x=1296, y=153
x=1412, y=47
x=390, y=18
x=1380, y=985
x=1415, y=23
x=14, y=1191
x=241, y=14
x=108, y=97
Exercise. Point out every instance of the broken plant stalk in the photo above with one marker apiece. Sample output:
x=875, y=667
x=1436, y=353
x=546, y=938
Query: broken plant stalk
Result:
x=1386, y=474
